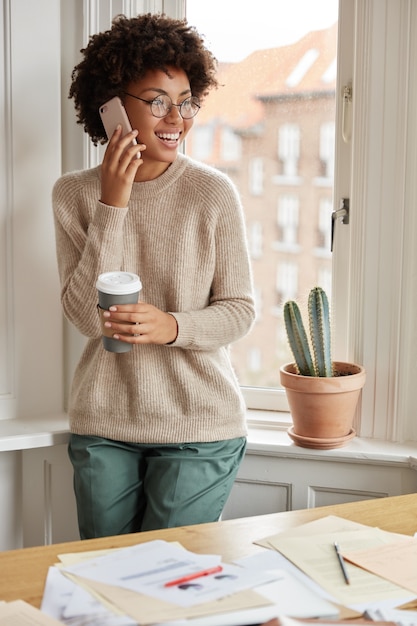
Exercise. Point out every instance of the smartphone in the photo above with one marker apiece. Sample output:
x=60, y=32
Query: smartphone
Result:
x=113, y=113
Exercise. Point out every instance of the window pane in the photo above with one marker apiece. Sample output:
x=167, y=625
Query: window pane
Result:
x=271, y=127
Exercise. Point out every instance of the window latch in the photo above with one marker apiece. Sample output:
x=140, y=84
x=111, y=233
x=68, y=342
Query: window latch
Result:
x=341, y=214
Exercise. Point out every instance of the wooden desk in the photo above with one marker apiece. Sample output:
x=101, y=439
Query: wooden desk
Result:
x=23, y=572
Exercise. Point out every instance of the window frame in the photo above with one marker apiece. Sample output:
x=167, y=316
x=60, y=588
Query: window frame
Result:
x=381, y=293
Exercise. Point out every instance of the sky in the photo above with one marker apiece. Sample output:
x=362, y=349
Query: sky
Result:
x=232, y=30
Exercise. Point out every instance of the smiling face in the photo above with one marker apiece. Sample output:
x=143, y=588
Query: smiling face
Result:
x=162, y=136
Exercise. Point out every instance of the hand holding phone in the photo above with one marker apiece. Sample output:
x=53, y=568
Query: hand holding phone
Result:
x=113, y=113
x=117, y=174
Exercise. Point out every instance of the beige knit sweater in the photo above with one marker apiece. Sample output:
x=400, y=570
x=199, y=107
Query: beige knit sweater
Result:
x=183, y=233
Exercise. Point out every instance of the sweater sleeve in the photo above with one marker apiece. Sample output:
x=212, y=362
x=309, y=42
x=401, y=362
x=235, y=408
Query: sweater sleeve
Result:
x=86, y=246
x=230, y=312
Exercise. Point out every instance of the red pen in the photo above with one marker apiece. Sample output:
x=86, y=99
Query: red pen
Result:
x=185, y=579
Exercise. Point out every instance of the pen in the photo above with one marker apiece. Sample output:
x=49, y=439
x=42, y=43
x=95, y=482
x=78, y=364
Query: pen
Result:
x=341, y=563
x=185, y=579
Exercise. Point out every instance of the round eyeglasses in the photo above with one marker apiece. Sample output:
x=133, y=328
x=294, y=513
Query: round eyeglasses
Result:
x=162, y=105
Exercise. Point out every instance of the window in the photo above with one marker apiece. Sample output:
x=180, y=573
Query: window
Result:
x=378, y=248
x=254, y=360
x=373, y=265
x=287, y=281
x=256, y=176
x=255, y=239
x=202, y=145
x=327, y=137
x=278, y=97
x=324, y=224
x=289, y=149
x=258, y=303
x=288, y=205
x=324, y=278
x=231, y=145
x=374, y=286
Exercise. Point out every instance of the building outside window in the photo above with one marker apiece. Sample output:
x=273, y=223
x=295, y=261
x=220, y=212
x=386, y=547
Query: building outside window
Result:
x=287, y=281
x=255, y=239
x=256, y=176
x=203, y=142
x=278, y=101
x=372, y=266
x=288, y=218
x=324, y=219
x=231, y=147
x=327, y=139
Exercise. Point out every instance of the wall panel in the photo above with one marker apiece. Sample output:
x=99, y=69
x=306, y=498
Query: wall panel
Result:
x=30, y=312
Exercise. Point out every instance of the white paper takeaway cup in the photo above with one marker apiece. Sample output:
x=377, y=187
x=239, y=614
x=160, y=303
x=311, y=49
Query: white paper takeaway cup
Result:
x=117, y=288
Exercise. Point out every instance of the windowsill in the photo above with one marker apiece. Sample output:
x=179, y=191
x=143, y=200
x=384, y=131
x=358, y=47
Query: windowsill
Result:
x=25, y=434
x=268, y=442
x=265, y=439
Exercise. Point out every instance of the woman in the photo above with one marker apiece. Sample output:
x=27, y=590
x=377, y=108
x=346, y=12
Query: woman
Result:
x=157, y=433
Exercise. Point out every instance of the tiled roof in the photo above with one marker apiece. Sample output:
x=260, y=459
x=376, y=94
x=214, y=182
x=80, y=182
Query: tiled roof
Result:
x=305, y=67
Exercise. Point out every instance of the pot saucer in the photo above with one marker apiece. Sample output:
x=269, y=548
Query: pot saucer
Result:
x=318, y=443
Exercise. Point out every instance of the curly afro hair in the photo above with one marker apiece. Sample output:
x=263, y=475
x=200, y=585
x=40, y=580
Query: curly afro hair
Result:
x=132, y=46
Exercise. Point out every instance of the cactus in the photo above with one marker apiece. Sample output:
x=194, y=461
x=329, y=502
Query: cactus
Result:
x=297, y=338
x=320, y=364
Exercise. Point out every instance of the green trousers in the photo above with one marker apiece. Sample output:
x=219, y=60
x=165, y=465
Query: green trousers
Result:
x=125, y=487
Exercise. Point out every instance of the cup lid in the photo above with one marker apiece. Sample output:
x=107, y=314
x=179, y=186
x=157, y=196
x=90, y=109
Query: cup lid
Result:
x=118, y=283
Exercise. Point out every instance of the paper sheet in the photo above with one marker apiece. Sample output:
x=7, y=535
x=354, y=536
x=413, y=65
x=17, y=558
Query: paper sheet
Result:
x=271, y=558
x=330, y=523
x=19, y=613
x=313, y=552
x=71, y=604
x=396, y=562
x=146, y=610
x=147, y=569
x=288, y=595
x=287, y=621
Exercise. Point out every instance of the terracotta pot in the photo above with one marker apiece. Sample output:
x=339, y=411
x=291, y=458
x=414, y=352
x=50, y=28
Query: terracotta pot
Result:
x=323, y=409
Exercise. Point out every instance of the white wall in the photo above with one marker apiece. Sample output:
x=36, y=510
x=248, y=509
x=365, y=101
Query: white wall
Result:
x=31, y=381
